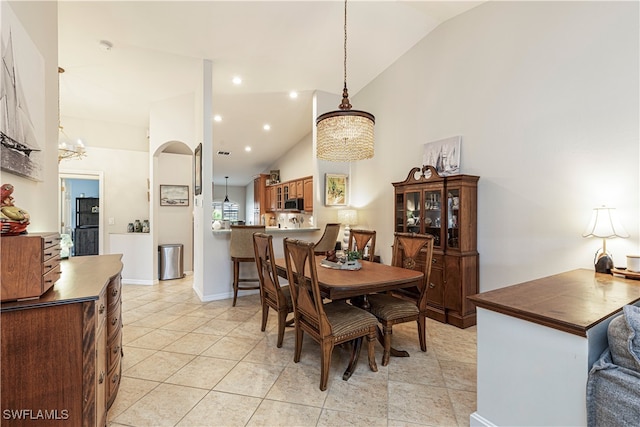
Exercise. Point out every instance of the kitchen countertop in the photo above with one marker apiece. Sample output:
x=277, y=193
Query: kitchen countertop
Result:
x=275, y=230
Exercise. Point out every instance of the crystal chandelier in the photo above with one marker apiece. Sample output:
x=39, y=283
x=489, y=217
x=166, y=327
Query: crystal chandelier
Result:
x=345, y=134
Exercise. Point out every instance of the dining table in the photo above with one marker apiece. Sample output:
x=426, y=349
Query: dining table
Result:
x=372, y=277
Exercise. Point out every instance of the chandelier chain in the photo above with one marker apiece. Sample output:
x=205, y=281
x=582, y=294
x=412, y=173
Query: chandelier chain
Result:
x=345, y=44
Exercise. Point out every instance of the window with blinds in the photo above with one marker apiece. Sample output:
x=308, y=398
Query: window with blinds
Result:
x=225, y=210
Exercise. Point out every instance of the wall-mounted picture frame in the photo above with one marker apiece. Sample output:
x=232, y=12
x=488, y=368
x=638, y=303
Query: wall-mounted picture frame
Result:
x=174, y=195
x=444, y=155
x=335, y=189
x=197, y=170
x=22, y=102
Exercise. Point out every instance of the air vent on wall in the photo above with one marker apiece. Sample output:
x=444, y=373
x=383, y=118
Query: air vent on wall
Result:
x=223, y=153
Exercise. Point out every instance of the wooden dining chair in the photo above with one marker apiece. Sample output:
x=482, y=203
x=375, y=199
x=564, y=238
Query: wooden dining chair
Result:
x=413, y=251
x=328, y=324
x=241, y=250
x=328, y=240
x=359, y=239
x=272, y=295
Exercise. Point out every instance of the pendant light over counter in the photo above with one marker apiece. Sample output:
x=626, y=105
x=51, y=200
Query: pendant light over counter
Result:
x=345, y=134
x=226, y=189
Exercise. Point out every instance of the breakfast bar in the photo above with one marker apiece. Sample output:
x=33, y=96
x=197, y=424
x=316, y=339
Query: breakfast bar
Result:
x=537, y=341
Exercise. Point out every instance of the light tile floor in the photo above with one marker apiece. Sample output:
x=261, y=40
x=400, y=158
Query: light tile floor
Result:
x=189, y=363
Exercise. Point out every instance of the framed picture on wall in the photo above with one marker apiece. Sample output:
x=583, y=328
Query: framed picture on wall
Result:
x=174, y=195
x=335, y=189
x=444, y=155
x=197, y=170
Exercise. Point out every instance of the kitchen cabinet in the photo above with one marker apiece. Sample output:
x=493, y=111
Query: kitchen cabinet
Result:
x=62, y=352
x=277, y=194
x=260, y=203
x=307, y=191
x=295, y=189
x=446, y=208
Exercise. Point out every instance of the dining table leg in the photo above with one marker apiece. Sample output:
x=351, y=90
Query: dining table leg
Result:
x=355, y=355
x=393, y=351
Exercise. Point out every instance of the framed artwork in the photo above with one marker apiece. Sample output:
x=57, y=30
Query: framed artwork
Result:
x=22, y=112
x=174, y=195
x=197, y=170
x=444, y=155
x=335, y=189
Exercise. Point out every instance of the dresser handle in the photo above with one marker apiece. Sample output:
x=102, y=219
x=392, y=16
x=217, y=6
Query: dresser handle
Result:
x=115, y=378
x=116, y=349
x=114, y=292
x=101, y=378
x=431, y=286
x=101, y=309
x=114, y=321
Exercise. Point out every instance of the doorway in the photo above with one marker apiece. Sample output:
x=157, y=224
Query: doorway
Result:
x=81, y=220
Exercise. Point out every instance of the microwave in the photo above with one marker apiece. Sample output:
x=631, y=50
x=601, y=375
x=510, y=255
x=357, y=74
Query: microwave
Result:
x=294, y=204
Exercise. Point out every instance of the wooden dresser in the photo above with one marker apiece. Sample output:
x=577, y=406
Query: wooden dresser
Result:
x=61, y=353
x=30, y=264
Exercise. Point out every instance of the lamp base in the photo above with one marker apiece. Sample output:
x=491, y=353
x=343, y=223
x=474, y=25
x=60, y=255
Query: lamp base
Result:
x=604, y=264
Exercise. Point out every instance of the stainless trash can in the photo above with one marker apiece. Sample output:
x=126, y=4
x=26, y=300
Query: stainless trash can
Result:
x=170, y=262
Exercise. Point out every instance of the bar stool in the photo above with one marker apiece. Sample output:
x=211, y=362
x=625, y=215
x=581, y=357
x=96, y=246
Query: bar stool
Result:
x=241, y=250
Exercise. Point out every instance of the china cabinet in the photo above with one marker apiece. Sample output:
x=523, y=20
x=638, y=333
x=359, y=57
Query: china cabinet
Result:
x=445, y=207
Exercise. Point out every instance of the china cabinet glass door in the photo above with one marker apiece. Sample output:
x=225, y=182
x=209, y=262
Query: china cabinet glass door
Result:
x=399, y=213
x=433, y=210
x=453, y=217
x=412, y=205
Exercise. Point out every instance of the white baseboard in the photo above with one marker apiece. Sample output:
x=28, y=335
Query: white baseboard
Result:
x=138, y=282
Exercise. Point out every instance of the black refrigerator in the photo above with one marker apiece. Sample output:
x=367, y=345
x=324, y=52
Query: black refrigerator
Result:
x=86, y=233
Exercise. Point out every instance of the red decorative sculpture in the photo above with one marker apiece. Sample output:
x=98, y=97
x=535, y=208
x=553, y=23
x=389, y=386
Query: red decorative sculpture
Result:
x=14, y=220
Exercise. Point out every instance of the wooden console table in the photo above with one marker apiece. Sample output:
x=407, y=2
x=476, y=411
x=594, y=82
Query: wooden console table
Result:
x=61, y=353
x=536, y=343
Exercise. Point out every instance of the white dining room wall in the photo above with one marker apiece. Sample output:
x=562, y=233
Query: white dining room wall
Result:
x=545, y=96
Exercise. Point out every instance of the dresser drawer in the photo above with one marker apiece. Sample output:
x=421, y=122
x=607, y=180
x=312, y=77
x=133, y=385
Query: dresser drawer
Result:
x=114, y=349
x=114, y=322
x=30, y=264
x=101, y=311
x=113, y=383
x=51, y=277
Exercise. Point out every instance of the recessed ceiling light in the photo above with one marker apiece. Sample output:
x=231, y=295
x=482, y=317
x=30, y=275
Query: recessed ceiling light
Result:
x=217, y=118
x=247, y=148
x=237, y=80
x=293, y=94
x=266, y=127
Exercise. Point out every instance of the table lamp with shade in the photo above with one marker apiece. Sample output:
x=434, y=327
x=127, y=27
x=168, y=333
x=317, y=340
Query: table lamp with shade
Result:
x=348, y=217
x=605, y=225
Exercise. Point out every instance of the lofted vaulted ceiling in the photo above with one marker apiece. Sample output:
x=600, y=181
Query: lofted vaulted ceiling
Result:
x=275, y=46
